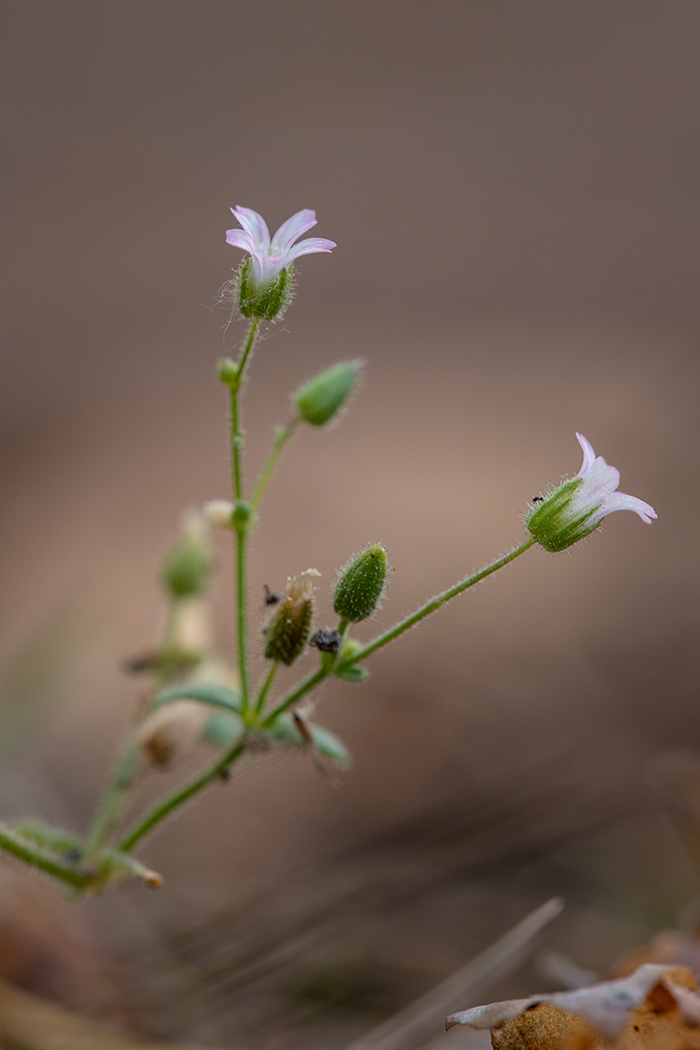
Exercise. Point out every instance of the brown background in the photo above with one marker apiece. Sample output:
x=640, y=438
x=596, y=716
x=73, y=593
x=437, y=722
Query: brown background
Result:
x=514, y=192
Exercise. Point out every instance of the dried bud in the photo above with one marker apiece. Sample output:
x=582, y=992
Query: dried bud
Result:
x=288, y=628
x=326, y=640
x=361, y=584
x=318, y=401
x=171, y=731
x=218, y=513
x=187, y=567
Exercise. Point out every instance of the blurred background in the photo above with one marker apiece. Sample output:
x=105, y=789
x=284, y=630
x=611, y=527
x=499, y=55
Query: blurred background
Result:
x=514, y=193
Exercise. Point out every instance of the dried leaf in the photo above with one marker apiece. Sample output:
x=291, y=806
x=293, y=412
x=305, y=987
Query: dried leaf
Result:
x=607, y=1007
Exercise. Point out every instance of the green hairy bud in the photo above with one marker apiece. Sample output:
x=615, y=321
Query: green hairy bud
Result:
x=289, y=627
x=267, y=300
x=318, y=401
x=187, y=567
x=361, y=584
x=556, y=522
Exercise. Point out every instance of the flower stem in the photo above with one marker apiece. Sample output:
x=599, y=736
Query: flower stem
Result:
x=174, y=801
x=266, y=687
x=311, y=682
x=282, y=436
x=433, y=605
x=237, y=440
x=112, y=802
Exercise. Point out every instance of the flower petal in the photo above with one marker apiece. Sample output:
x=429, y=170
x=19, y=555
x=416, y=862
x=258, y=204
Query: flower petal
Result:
x=621, y=501
x=240, y=239
x=599, y=481
x=588, y=454
x=293, y=228
x=309, y=246
x=254, y=224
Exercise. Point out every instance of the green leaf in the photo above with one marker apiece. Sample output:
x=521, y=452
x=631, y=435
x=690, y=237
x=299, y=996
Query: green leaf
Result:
x=327, y=744
x=353, y=674
x=211, y=693
x=223, y=729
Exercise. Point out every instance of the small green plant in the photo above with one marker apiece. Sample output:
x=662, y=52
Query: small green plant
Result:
x=197, y=695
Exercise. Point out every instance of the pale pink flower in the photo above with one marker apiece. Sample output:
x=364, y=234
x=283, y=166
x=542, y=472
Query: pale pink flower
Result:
x=272, y=255
x=598, y=495
x=577, y=506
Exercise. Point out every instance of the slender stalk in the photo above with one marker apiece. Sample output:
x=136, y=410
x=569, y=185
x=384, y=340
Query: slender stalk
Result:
x=174, y=801
x=282, y=436
x=311, y=682
x=433, y=605
x=38, y=858
x=267, y=684
x=112, y=802
x=237, y=439
x=242, y=617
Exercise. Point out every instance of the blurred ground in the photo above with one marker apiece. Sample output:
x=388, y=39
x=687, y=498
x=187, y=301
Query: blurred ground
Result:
x=514, y=193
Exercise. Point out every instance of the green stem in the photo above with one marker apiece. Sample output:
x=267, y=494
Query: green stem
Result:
x=433, y=605
x=266, y=687
x=242, y=617
x=311, y=682
x=174, y=801
x=38, y=858
x=237, y=439
x=283, y=435
x=112, y=802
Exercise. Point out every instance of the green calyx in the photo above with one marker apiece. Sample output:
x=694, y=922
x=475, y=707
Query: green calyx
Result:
x=187, y=567
x=552, y=522
x=361, y=584
x=318, y=401
x=265, y=301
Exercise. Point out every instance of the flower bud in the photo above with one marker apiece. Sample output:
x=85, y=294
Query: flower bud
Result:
x=288, y=628
x=263, y=300
x=361, y=584
x=186, y=569
x=318, y=401
x=171, y=731
x=228, y=372
x=218, y=513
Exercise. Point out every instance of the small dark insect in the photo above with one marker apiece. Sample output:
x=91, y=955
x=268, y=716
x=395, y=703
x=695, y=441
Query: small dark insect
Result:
x=326, y=641
x=538, y=499
x=225, y=774
x=72, y=855
x=270, y=597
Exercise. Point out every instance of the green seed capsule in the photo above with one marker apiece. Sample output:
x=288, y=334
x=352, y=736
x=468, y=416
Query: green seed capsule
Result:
x=318, y=401
x=289, y=627
x=361, y=584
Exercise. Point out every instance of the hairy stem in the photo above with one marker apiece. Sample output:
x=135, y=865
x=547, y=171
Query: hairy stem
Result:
x=282, y=436
x=237, y=440
x=111, y=804
x=179, y=797
x=267, y=684
x=433, y=605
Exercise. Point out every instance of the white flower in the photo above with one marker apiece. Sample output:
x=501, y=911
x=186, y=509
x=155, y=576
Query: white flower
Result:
x=270, y=256
x=577, y=507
